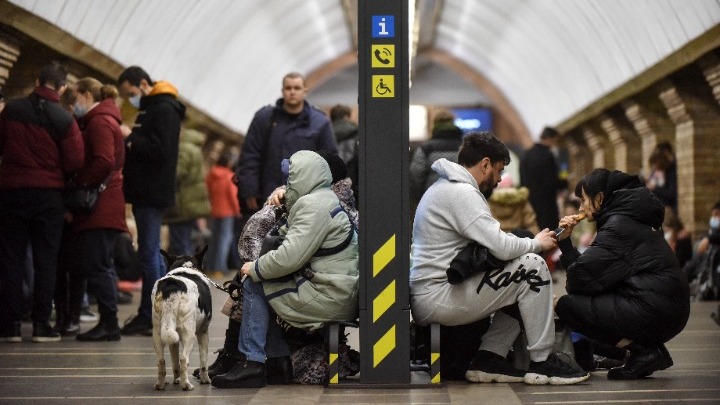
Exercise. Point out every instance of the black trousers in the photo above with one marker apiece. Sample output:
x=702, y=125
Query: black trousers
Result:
x=29, y=216
x=595, y=317
x=96, y=257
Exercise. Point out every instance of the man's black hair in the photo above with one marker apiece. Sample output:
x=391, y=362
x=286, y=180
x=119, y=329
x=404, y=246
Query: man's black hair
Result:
x=133, y=75
x=53, y=74
x=549, y=133
x=478, y=145
x=339, y=111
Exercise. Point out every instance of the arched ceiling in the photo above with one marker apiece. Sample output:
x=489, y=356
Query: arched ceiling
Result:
x=547, y=59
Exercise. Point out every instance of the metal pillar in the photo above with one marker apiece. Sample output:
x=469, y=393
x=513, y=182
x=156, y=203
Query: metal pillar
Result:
x=384, y=216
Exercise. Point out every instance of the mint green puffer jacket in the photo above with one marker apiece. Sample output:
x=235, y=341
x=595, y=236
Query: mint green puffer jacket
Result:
x=315, y=220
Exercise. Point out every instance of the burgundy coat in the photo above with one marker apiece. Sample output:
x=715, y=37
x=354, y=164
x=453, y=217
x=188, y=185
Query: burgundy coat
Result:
x=104, y=154
x=31, y=156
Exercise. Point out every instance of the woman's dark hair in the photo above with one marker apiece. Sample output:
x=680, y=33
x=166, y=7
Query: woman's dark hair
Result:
x=593, y=183
x=477, y=146
x=607, y=182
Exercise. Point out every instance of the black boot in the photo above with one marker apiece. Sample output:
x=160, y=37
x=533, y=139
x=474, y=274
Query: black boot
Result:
x=279, y=370
x=107, y=329
x=228, y=356
x=225, y=362
x=245, y=374
x=642, y=362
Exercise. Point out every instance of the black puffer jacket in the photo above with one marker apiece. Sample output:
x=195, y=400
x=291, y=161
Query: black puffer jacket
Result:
x=629, y=269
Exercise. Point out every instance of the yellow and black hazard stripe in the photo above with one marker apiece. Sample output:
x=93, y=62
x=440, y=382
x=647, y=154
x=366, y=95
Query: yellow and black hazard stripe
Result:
x=384, y=301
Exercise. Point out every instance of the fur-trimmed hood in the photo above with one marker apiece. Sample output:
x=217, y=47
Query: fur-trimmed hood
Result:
x=510, y=196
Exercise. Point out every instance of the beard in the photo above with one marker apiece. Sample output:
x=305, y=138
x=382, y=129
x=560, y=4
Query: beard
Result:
x=487, y=188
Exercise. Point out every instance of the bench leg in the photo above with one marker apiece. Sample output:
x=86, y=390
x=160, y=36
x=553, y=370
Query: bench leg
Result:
x=332, y=333
x=435, y=353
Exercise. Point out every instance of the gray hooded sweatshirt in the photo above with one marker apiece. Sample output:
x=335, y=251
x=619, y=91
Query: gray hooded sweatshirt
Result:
x=452, y=213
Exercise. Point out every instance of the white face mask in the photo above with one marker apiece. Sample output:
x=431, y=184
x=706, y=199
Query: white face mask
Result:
x=135, y=101
x=79, y=110
x=714, y=222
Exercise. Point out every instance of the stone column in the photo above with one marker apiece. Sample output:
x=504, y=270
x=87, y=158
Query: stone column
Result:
x=648, y=117
x=625, y=142
x=9, y=53
x=694, y=111
x=579, y=156
x=599, y=145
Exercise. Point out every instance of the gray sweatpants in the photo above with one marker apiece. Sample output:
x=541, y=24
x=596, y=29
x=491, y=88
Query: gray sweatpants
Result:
x=525, y=280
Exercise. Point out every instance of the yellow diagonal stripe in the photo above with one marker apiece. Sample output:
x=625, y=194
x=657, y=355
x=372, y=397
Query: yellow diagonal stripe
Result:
x=384, y=255
x=383, y=301
x=436, y=379
x=334, y=379
x=434, y=357
x=333, y=357
x=383, y=346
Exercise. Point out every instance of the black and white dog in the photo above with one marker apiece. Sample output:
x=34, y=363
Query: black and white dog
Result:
x=182, y=309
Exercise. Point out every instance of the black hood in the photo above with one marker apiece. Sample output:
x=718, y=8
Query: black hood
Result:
x=626, y=195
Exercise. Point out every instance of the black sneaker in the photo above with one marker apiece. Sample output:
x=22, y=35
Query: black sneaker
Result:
x=139, y=325
x=558, y=369
x=11, y=334
x=43, y=333
x=606, y=363
x=487, y=367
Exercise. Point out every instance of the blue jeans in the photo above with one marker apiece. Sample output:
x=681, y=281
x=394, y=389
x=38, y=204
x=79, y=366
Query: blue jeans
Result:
x=260, y=335
x=222, y=239
x=181, y=242
x=150, y=261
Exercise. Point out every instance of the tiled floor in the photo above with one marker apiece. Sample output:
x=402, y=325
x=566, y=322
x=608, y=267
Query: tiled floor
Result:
x=124, y=372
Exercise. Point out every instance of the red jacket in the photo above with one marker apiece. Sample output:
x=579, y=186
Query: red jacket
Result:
x=104, y=156
x=31, y=156
x=222, y=192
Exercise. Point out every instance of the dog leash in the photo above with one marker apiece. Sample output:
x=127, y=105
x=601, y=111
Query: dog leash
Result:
x=216, y=285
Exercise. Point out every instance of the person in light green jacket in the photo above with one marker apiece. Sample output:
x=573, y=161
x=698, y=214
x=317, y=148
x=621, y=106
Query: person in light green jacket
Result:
x=191, y=193
x=309, y=280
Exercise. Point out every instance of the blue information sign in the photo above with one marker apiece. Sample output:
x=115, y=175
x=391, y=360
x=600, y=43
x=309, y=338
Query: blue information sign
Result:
x=383, y=26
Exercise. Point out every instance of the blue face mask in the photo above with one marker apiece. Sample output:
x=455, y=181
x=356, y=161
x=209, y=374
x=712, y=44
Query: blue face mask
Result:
x=79, y=110
x=285, y=170
x=135, y=101
x=714, y=222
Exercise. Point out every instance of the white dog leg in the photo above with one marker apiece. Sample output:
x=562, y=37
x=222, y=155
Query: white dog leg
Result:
x=187, y=344
x=159, y=351
x=174, y=350
x=203, y=339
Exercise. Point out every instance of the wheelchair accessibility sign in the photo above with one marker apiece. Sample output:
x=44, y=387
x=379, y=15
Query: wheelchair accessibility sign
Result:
x=383, y=86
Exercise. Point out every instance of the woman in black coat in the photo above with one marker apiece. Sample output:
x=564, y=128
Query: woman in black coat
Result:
x=626, y=289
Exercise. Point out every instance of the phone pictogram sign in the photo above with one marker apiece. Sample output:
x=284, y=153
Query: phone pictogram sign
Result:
x=383, y=56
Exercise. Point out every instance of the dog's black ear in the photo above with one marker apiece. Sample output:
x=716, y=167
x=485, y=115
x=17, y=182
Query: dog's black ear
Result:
x=200, y=255
x=168, y=258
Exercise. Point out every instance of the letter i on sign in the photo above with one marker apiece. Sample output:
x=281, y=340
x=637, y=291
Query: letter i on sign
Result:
x=383, y=26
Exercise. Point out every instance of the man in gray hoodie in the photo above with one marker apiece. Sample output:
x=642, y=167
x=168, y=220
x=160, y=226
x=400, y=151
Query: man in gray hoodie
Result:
x=453, y=213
